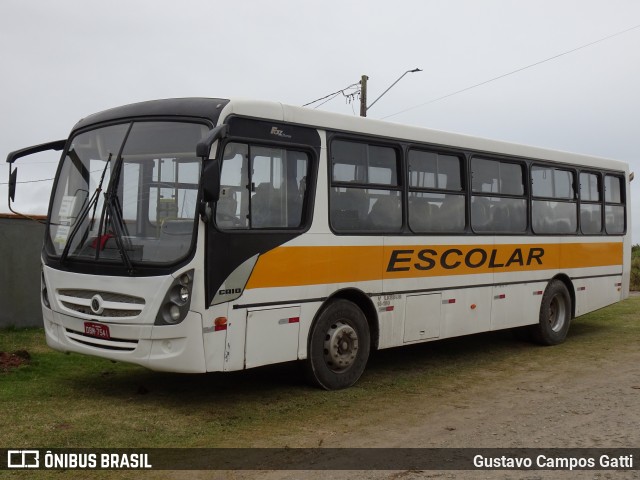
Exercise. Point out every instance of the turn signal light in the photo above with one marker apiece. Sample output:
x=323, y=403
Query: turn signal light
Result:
x=45, y=293
x=220, y=323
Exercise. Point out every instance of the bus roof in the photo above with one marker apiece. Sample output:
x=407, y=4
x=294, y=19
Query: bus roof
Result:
x=213, y=109
x=390, y=130
x=206, y=108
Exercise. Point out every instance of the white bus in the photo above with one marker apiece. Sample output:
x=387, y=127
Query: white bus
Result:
x=210, y=235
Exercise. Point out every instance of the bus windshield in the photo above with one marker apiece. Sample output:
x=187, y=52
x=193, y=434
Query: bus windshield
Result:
x=127, y=193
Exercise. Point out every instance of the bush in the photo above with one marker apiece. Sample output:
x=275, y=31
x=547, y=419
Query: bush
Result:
x=634, y=284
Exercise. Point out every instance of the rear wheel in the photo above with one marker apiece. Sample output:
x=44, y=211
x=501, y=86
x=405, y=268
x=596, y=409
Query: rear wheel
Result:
x=339, y=345
x=555, y=315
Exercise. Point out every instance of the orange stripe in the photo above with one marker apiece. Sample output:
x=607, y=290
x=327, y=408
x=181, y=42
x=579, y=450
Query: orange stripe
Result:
x=289, y=266
x=286, y=266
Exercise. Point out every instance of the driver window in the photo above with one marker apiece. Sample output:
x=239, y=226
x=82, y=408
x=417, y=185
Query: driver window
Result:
x=261, y=187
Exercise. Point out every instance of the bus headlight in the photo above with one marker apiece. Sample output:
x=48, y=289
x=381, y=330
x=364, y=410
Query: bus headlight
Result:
x=175, y=305
x=174, y=313
x=184, y=294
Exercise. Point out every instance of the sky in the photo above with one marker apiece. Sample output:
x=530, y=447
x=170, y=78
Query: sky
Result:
x=64, y=60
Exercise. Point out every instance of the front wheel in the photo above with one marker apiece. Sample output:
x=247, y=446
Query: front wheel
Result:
x=555, y=315
x=339, y=345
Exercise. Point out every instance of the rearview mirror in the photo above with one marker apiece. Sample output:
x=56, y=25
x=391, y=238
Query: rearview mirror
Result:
x=13, y=177
x=211, y=181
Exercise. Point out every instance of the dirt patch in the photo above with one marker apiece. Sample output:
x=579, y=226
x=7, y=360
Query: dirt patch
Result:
x=588, y=405
x=9, y=361
x=590, y=400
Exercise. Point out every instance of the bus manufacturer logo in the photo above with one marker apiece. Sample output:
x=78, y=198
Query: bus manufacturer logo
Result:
x=230, y=291
x=279, y=133
x=97, y=306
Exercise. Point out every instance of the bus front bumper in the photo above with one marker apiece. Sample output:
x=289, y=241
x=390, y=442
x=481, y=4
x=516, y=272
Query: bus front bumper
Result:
x=169, y=348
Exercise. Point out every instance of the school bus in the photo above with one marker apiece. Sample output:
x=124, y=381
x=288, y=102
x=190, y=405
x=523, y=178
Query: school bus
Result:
x=210, y=235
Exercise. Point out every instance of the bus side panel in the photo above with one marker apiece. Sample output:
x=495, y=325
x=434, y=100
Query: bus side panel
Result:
x=516, y=305
x=214, y=339
x=595, y=293
x=308, y=312
x=596, y=270
x=272, y=335
x=422, y=317
x=466, y=311
x=234, y=349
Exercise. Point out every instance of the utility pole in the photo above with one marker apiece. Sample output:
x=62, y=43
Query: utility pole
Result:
x=363, y=91
x=363, y=95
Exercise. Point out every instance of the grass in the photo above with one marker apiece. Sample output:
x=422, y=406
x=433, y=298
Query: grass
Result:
x=78, y=401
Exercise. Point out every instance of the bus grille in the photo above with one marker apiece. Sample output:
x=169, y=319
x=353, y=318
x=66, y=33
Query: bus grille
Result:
x=118, y=344
x=115, y=305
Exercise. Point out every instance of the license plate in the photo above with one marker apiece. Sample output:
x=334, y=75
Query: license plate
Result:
x=97, y=330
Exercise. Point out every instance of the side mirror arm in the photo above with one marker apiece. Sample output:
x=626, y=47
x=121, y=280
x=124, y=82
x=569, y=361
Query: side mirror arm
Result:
x=43, y=147
x=203, y=148
x=13, y=172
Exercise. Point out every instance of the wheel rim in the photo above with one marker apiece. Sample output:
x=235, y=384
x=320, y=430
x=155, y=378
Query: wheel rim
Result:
x=340, y=347
x=557, y=313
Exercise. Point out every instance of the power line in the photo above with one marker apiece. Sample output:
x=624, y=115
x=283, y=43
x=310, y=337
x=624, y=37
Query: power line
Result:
x=31, y=181
x=43, y=179
x=333, y=95
x=42, y=163
x=513, y=72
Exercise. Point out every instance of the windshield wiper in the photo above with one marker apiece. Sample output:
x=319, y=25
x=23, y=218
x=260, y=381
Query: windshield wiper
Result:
x=114, y=213
x=93, y=202
x=117, y=223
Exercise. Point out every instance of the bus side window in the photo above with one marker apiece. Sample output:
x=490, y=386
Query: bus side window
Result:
x=498, y=203
x=590, y=203
x=614, y=204
x=276, y=174
x=386, y=212
x=436, y=196
x=554, y=207
x=365, y=193
x=232, y=209
x=265, y=211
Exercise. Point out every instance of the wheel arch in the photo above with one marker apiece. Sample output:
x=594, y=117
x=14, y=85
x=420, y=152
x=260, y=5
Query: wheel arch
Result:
x=572, y=292
x=364, y=303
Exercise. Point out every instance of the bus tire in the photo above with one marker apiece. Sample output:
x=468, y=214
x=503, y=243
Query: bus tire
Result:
x=555, y=315
x=339, y=344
